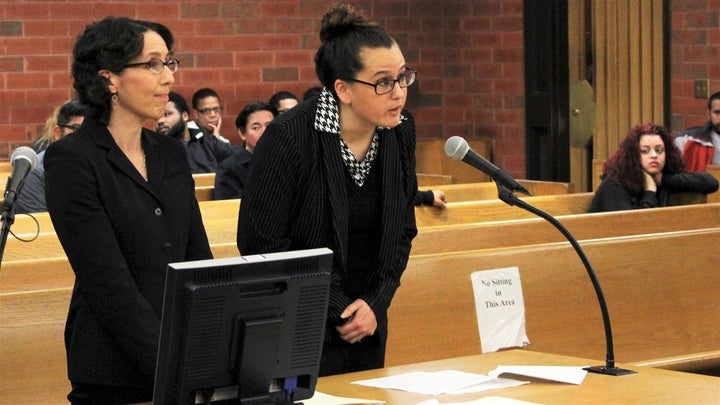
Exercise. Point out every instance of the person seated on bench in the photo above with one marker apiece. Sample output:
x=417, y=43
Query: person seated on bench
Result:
x=231, y=174
x=644, y=170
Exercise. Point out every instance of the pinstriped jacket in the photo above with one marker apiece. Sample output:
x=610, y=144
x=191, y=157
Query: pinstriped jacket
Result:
x=296, y=199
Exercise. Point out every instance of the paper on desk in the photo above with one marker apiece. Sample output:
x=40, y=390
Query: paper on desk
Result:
x=435, y=383
x=320, y=398
x=566, y=374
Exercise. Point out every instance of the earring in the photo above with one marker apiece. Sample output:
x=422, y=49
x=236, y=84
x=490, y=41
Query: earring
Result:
x=114, y=99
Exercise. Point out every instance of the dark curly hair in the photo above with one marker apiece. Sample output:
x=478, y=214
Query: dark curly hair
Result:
x=110, y=44
x=625, y=165
x=343, y=33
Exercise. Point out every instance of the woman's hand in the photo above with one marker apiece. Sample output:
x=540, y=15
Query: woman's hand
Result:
x=361, y=322
x=651, y=182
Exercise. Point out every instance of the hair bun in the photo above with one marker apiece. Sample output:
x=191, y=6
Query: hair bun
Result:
x=341, y=20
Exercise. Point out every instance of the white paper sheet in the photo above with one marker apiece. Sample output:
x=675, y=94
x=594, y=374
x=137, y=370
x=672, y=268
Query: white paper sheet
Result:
x=428, y=383
x=500, y=308
x=566, y=374
x=441, y=382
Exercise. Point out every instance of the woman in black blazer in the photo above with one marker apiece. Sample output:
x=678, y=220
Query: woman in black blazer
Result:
x=122, y=202
x=339, y=171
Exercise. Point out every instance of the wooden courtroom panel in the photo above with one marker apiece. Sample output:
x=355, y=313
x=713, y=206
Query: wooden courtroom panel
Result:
x=648, y=387
x=715, y=171
x=495, y=210
x=431, y=158
x=661, y=290
x=487, y=190
x=530, y=231
x=204, y=179
x=32, y=348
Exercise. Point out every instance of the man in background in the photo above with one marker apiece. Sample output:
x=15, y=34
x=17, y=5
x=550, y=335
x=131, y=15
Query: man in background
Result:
x=204, y=152
x=700, y=146
x=208, y=113
x=68, y=118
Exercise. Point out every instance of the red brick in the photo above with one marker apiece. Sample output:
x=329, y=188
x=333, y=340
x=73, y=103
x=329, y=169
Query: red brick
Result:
x=41, y=97
x=28, y=80
x=214, y=59
x=16, y=10
x=11, y=28
x=242, y=75
x=10, y=98
x=26, y=115
x=45, y=63
x=478, y=56
x=26, y=46
x=282, y=74
x=11, y=64
x=703, y=19
x=200, y=10
x=279, y=8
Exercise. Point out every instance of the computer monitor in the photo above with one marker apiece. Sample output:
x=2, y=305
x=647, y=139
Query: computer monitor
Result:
x=243, y=330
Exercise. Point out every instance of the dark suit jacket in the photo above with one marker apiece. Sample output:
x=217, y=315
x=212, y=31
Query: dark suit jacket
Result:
x=119, y=233
x=296, y=199
x=231, y=175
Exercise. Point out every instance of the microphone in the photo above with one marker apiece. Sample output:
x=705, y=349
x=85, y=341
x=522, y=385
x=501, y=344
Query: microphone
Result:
x=23, y=160
x=457, y=148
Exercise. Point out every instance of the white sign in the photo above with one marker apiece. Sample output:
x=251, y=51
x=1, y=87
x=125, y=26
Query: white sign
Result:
x=500, y=308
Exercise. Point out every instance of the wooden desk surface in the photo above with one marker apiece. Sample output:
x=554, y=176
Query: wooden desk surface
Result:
x=648, y=386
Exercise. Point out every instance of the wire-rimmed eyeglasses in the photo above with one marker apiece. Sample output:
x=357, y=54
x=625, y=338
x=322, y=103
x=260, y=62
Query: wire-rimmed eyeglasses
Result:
x=156, y=65
x=384, y=86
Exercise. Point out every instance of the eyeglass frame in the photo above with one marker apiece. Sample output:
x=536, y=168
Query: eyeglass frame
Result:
x=393, y=81
x=74, y=127
x=206, y=111
x=165, y=63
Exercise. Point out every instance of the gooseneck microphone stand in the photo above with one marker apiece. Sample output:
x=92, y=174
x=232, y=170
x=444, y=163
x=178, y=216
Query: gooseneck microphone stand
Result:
x=507, y=195
x=7, y=217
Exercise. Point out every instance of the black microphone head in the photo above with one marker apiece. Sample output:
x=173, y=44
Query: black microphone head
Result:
x=26, y=153
x=456, y=147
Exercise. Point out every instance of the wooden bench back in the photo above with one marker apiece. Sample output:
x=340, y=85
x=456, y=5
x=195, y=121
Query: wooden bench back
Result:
x=661, y=292
x=495, y=210
x=530, y=231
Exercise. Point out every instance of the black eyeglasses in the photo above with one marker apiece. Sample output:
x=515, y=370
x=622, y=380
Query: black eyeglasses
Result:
x=384, y=86
x=156, y=65
x=73, y=127
x=207, y=111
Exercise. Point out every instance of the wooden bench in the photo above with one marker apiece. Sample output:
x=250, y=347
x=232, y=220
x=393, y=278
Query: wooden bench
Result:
x=426, y=180
x=661, y=291
x=662, y=303
x=530, y=231
x=430, y=157
x=33, y=265
x=488, y=190
x=204, y=179
x=715, y=171
x=204, y=193
x=32, y=345
x=495, y=210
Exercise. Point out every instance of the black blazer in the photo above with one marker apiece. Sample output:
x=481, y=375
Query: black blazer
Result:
x=119, y=233
x=296, y=199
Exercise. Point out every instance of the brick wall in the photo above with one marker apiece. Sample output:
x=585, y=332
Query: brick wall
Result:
x=695, y=55
x=468, y=54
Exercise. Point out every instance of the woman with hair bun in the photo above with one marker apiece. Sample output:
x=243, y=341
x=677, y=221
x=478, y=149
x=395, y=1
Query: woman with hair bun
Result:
x=645, y=169
x=338, y=171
